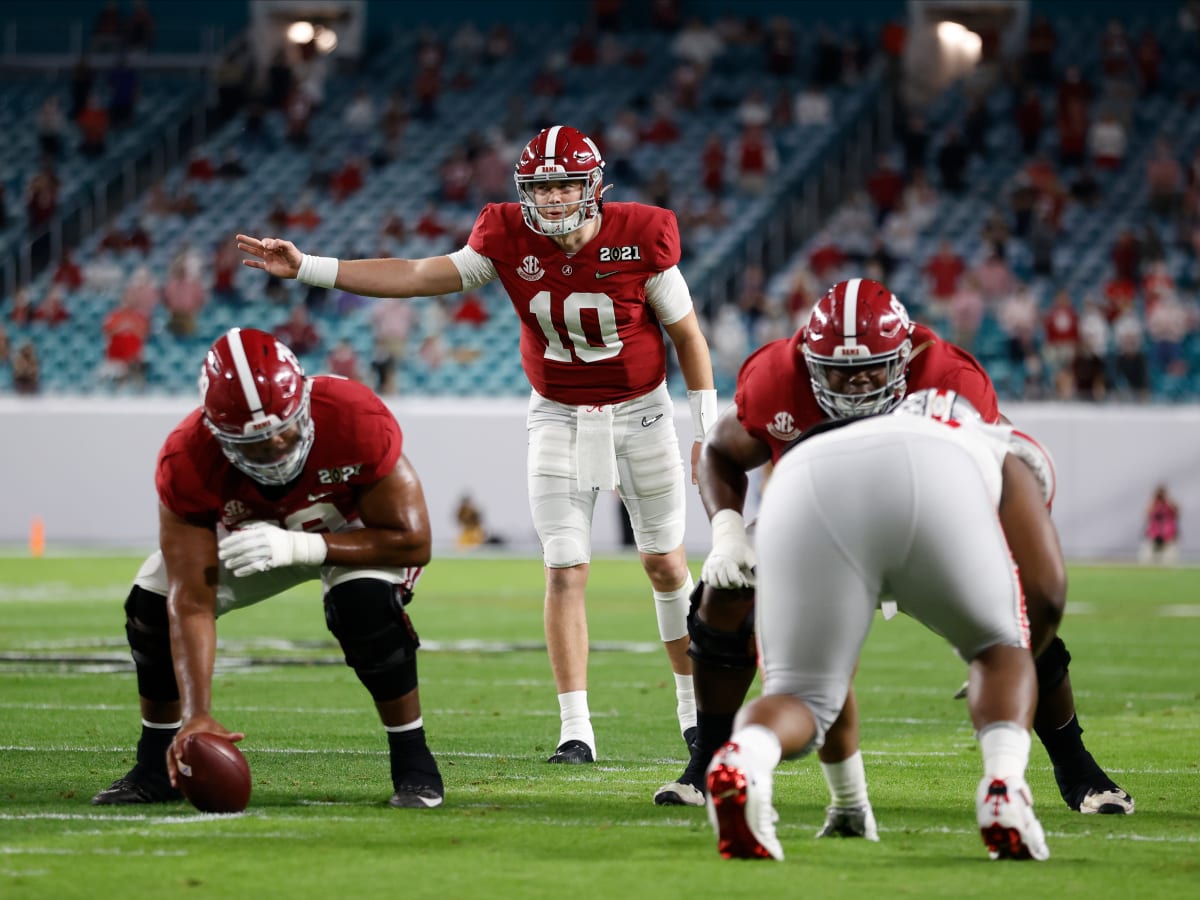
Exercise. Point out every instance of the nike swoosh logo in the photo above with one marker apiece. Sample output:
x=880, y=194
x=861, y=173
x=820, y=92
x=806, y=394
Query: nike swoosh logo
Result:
x=646, y=423
x=607, y=274
x=313, y=498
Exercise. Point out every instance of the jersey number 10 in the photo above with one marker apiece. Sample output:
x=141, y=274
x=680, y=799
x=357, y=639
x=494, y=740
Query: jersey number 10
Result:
x=572, y=320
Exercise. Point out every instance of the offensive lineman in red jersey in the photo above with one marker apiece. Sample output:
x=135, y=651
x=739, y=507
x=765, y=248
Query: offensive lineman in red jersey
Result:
x=276, y=480
x=591, y=283
x=858, y=355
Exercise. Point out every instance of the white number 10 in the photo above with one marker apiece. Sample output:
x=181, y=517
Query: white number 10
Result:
x=572, y=309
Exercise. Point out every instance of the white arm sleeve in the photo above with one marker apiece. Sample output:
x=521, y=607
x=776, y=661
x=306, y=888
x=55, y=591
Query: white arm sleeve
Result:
x=475, y=269
x=668, y=294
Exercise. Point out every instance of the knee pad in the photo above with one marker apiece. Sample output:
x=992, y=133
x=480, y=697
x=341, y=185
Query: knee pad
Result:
x=1052, y=665
x=717, y=647
x=149, y=635
x=564, y=552
x=367, y=617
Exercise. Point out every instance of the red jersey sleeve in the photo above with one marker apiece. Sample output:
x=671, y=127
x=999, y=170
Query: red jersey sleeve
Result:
x=665, y=248
x=365, y=427
x=189, y=470
x=487, y=235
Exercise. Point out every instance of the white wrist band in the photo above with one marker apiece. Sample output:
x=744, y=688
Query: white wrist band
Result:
x=310, y=549
x=321, y=271
x=728, y=525
x=704, y=412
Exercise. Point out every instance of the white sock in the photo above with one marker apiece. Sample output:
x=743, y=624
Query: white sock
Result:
x=685, y=702
x=847, y=781
x=1005, y=747
x=759, y=745
x=576, y=720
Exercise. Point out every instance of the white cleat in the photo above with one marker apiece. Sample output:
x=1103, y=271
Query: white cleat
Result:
x=1010, y=830
x=850, y=821
x=1114, y=802
x=678, y=793
x=739, y=808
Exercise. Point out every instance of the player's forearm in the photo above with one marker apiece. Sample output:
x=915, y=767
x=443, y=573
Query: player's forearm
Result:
x=398, y=278
x=723, y=484
x=379, y=547
x=193, y=649
x=695, y=363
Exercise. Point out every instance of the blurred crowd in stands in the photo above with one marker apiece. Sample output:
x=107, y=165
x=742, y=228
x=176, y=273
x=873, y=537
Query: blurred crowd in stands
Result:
x=1073, y=128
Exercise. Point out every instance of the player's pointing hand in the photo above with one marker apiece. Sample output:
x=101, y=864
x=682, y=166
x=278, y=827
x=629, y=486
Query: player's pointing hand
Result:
x=274, y=255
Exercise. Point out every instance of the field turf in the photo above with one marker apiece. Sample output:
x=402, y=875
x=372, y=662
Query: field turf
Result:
x=512, y=826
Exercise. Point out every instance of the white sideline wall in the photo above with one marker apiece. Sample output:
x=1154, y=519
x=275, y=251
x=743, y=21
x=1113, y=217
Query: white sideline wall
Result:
x=85, y=466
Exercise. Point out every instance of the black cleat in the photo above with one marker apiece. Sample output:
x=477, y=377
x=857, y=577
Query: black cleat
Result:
x=137, y=787
x=1086, y=789
x=691, y=737
x=417, y=796
x=573, y=752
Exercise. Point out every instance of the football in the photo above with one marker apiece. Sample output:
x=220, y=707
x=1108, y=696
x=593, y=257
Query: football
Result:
x=213, y=774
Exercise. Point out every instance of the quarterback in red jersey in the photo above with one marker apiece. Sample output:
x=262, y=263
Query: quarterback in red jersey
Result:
x=858, y=355
x=276, y=480
x=594, y=284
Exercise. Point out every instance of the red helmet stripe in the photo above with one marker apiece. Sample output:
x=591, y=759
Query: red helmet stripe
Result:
x=241, y=364
x=850, y=313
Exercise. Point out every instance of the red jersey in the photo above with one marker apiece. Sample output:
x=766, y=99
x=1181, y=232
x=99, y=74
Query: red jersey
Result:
x=775, y=400
x=356, y=443
x=588, y=336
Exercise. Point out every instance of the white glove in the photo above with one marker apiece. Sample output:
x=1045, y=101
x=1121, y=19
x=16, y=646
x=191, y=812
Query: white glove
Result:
x=261, y=547
x=730, y=563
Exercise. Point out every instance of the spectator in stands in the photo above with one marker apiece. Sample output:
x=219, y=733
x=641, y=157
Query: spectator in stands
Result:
x=995, y=278
x=426, y=89
x=343, y=360
x=360, y=121
x=127, y=327
x=200, y=167
x=139, y=27
x=103, y=272
x=51, y=127
x=41, y=197
x=1107, y=143
x=965, y=312
x=1040, y=43
x=813, y=107
x=123, y=89
x=298, y=110
x=349, y=179
x=26, y=374
x=943, y=271
x=455, y=177
x=754, y=108
x=305, y=216
x=1060, y=325
x=299, y=332
x=1090, y=374
x=952, y=160
x=899, y=231
x=142, y=292
x=22, y=307
x=1161, y=531
x=5, y=347
x=430, y=225
x=1132, y=368
x=470, y=311
x=1073, y=128
x=108, y=30
x=1164, y=179
x=93, y=127
x=184, y=297
x=1019, y=320
x=53, y=308
x=729, y=339
x=68, y=273
x=83, y=80
x=1126, y=256
x=226, y=263
x=885, y=185
x=1168, y=323
x=231, y=163
x=697, y=44
x=1030, y=120
x=663, y=127
x=780, y=47
x=755, y=159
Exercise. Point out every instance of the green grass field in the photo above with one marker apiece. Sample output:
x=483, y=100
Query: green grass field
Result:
x=318, y=824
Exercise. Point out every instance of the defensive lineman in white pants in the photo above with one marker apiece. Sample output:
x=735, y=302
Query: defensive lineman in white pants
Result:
x=903, y=505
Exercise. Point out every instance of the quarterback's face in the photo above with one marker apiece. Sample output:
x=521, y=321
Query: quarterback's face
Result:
x=558, y=199
x=274, y=449
x=856, y=379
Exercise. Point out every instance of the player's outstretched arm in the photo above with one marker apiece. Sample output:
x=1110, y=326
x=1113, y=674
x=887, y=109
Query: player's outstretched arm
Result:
x=429, y=277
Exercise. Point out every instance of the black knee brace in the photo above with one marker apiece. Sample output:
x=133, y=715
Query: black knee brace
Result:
x=717, y=648
x=367, y=617
x=1052, y=665
x=150, y=644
